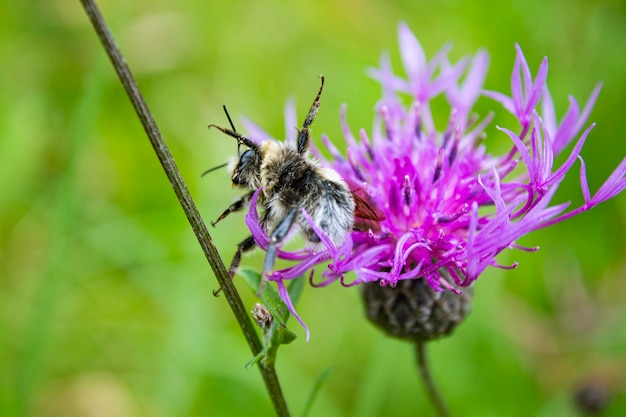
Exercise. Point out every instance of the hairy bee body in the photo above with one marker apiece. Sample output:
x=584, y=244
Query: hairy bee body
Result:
x=293, y=180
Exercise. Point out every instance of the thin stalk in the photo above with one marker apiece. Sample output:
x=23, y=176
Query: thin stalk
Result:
x=433, y=394
x=184, y=197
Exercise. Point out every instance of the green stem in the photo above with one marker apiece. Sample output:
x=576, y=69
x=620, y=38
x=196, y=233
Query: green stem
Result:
x=178, y=184
x=433, y=394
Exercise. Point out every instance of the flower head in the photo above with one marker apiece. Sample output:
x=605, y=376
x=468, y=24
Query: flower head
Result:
x=450, y=206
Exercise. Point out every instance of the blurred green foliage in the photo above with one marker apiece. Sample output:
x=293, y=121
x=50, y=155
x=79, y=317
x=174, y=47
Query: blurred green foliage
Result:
x=105, y=297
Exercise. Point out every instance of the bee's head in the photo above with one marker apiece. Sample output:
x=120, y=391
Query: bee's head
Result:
x=246, y=171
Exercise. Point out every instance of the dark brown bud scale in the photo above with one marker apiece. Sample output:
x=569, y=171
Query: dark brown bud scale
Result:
x=412, y=310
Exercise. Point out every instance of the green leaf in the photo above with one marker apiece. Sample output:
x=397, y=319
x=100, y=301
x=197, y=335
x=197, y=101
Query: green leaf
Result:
x=282, y=335
x=278, y=334
x=261, y=355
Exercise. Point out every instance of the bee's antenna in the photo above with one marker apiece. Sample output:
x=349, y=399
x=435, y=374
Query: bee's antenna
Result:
x=213, y=169
x=229, y=119
x=234, y=130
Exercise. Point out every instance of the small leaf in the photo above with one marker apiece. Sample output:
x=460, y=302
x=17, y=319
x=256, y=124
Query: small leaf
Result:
x=278, y=334
x=281, y=335
x=258, y=357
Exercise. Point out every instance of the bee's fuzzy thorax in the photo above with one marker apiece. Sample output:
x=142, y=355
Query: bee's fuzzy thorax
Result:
x=291, y=179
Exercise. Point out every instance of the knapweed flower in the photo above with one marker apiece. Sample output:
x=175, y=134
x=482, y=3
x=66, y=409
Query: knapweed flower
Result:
x=449, y=205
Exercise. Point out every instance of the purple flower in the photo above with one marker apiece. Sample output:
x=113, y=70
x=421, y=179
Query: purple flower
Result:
x=450, y=207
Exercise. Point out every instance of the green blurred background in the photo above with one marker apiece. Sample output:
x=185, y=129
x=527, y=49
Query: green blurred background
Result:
x=105, y=297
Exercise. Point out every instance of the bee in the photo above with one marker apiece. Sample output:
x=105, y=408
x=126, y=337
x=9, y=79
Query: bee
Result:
x=292, y=180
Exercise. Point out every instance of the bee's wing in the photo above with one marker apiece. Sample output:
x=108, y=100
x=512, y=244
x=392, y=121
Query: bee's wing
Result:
x=367, y=214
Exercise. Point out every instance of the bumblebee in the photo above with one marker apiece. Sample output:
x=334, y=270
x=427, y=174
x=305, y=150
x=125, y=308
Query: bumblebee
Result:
x=291, y=181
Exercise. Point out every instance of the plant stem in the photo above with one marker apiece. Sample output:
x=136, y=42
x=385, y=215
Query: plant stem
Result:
x=178, y=184
x=433, y=394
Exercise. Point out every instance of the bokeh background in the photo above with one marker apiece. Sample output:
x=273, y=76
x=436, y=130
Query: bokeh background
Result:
x=105, y=297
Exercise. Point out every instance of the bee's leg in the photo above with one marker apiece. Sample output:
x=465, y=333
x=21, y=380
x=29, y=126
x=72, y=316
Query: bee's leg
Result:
x=276, y=237
x=236, y=206
x=245, y=245
x=303, y=134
